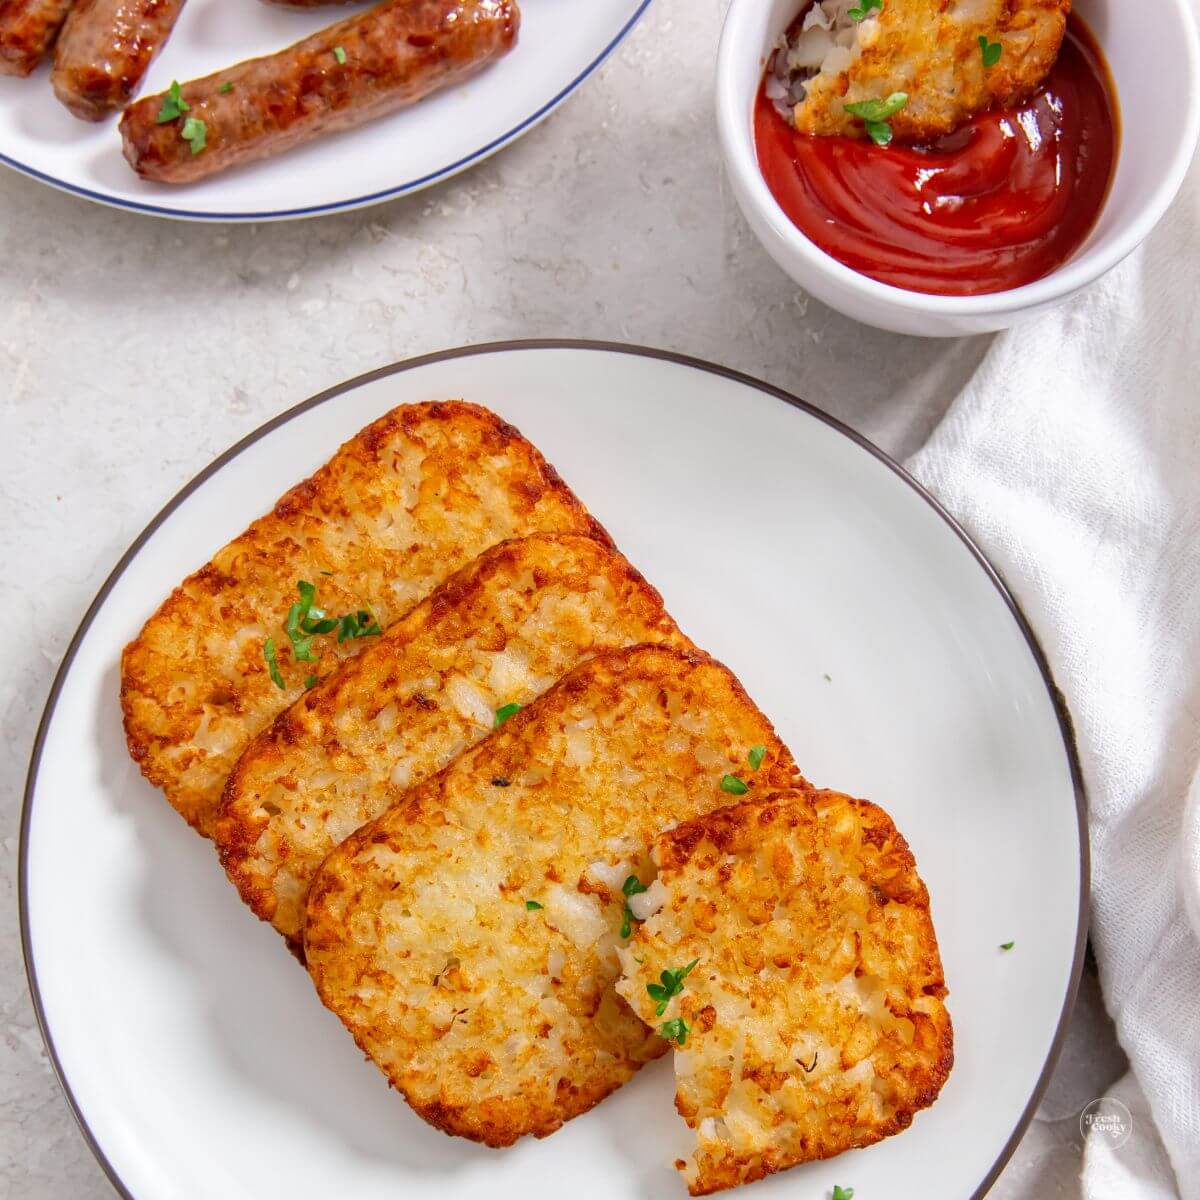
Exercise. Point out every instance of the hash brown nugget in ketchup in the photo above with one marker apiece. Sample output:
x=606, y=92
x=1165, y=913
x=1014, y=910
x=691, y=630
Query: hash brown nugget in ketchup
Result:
x=940, y=54
x=999, y=203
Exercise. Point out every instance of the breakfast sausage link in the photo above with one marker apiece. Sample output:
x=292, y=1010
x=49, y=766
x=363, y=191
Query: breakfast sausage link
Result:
x=305, y=5
x=105, y=50
x=358, y=69
x=27, y=31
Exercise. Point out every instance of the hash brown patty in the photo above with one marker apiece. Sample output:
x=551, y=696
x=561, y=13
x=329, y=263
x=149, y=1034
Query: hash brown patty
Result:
x=813, y=1020
x=410, y=499
x=930, y=50
x=468, y=937
x=499, y=632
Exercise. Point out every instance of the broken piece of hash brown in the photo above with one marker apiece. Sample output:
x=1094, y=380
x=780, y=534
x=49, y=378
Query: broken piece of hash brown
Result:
x=927, y=49
x=813, y=1019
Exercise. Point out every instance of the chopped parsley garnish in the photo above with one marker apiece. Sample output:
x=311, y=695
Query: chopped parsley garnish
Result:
x=1007, y=945
x=305, y=621
x=532, y=904
x=675, y=1030
x=991, y=52
x=301, y=625
x=671, y=985
x=173, y=105
x=340, y=55
x=631, y=887
x=756, y=756
x=357, y=624
x=841, y=1193
x=861, y=14
x=273, y=664
x=311, y=682
x=504, y=712
x=225, y=89
x=734, y=786
x=876, y=115
x=195, y=133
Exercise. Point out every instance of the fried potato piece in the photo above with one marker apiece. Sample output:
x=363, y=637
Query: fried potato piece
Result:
x=411, y=498
x=930, y=50
x=467, y=938
x=814, y=1015
x=500, y=631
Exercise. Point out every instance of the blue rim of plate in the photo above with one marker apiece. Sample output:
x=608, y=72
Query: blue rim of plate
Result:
x=316, y=210
x=1058, y=701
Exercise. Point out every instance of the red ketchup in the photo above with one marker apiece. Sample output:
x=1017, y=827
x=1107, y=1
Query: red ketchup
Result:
x=1000, y=202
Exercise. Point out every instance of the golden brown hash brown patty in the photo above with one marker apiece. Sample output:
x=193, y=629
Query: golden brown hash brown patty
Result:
x=815, y=1015
x=930, y=50
x=468, y=937
x=498, y=632
x=411, y=498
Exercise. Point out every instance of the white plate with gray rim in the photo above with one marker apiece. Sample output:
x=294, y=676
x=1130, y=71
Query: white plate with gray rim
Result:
x=560, y=45
x=889, y=655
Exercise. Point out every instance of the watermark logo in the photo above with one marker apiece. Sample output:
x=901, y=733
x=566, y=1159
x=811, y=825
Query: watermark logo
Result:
x=1108, y=1119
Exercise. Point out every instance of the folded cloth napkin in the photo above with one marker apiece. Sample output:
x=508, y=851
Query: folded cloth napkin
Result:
x=1073, y=458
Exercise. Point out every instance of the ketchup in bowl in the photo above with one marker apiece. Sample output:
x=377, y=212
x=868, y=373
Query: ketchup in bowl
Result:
x=999, y=203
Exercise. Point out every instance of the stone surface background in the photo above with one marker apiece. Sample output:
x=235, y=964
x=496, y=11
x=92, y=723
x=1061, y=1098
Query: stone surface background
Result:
x=133, y=350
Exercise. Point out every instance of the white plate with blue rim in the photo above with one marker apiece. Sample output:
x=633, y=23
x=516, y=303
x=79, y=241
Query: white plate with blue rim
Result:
x=889, y=655
x=560, y=45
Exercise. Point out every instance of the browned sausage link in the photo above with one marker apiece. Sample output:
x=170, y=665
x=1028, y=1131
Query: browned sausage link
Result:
x=105, y=50
x=305, y=5
x=27, y=30
x=350, y=73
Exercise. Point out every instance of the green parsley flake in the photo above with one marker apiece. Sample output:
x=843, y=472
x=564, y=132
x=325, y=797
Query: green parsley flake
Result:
x=195, y=133
x=311, y=682
x=841, y=1193
x=299, y=624
x=675, y=1030
x=734, y=786
x=756, y=756
x=506, y=711
x=876, y=114
x=273, y=664
x=1007, y=945
x=991, y=52
x=340, y=55
x=533, y=904
x=225, y=89
x=861, y=14
x=305, y=621
x=671, y=985
x=173, y=105
x=362, y=623
x=631, y=887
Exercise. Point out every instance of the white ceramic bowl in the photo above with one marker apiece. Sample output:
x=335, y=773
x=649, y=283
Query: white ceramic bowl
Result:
x=1155, y=61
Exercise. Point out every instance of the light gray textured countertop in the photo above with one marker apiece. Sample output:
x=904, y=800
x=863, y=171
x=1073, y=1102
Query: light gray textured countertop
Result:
x=133, y=350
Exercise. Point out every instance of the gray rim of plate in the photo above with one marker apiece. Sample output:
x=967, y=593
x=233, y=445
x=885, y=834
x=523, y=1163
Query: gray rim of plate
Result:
x=1056, y=697
x=413, y=185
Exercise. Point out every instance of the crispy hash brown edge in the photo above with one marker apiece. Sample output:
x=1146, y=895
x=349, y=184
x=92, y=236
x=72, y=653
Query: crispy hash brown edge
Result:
x=319, y=489
x=724, y=828
x=238, y=827
x=494, y=1122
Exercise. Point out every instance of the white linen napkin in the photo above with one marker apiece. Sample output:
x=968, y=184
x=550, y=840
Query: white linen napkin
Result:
x=1073, y=458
